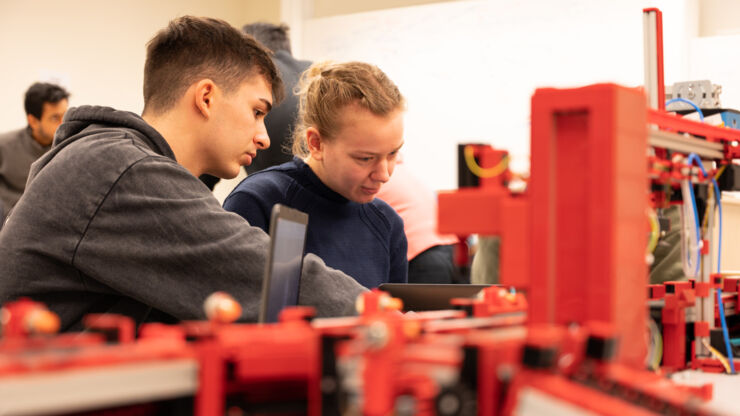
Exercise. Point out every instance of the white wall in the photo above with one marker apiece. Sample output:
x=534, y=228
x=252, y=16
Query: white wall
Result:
x=715, y=58
x=469, y=68
x=95, y=48
x=463, y=82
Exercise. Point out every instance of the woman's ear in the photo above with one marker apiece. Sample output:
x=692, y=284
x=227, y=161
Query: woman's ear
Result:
x=203, y=97
x=314, y=143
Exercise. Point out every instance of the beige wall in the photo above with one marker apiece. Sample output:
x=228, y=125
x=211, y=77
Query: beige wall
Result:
x=325, y=8
x=730, y=239
x=719, y=17
x=260, y=11
x=95, y=48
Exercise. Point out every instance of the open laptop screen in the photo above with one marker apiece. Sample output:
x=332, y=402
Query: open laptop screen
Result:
x=285, y=261
x=430, y=296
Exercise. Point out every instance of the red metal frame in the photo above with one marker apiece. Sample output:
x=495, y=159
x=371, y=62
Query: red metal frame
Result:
x=588, y=203
x=729, y=137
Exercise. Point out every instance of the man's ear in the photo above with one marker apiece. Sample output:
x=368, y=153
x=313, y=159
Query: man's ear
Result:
x=203, y=97
x=33, y=122
x=314, y=143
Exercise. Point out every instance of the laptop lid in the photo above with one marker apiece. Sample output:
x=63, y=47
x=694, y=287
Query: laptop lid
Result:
x=429, y=296
x=284, y=261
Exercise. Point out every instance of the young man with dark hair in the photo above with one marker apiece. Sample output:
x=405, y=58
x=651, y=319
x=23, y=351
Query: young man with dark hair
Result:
x=45, y=106
x=282, y=119
x=115, y=220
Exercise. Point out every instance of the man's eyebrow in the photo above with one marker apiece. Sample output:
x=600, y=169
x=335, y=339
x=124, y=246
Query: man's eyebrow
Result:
x=267, y=103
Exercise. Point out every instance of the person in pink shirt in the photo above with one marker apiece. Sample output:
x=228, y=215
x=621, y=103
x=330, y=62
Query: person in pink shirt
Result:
x=430, y=254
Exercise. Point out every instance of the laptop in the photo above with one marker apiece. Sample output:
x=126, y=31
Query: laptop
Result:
x=284, y=262
x=429, y=296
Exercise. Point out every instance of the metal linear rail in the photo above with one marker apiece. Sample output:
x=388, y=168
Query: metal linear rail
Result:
x=683, y=144
x=80, y=389
x=652, y=24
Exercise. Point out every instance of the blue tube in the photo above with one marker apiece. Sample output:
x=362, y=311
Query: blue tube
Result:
x=691, y=103
x=721, y=308
x=693, y=158
x=696, y=224
x=719, y=237
x=719, y=291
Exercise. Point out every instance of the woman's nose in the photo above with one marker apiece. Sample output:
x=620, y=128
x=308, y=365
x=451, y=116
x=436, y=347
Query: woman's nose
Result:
x=382, y=172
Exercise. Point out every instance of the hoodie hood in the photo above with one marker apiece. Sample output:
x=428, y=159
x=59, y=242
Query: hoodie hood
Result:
x=84, y=121
x=80, y=118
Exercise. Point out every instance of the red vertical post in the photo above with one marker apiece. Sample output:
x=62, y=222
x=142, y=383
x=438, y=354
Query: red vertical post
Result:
x=210, y=398
x=514, y=256
x=382, y=360
x=588, y=202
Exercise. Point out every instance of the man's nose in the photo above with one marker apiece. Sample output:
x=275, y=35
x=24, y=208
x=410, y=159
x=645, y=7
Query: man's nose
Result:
x=262, y=139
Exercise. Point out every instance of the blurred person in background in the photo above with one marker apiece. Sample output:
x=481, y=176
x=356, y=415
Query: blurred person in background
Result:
x=45, y=105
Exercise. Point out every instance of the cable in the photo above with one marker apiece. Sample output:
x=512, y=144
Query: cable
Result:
x=689, y=210
x=722, y=359
x=481, y=172
x=654, y=230
x=719, y=236
x=717, y=196
x=720, y=171
x=691, y=103
x=721, y=308
x=706, y=214
x=655, y=345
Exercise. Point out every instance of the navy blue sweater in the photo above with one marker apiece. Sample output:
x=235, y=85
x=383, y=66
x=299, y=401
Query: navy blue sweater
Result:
x=366, y=241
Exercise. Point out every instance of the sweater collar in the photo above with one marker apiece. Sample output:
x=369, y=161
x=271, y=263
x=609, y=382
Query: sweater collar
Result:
x=316, y=184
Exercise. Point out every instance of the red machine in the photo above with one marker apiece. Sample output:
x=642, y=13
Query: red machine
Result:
x=585, y=204
x=576, y=342
x=571, y=337
x=579, y=226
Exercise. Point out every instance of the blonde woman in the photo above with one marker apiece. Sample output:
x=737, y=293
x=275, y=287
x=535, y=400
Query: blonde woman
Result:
x=349, y=132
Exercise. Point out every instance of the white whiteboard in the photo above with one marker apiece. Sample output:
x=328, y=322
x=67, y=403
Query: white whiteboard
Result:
x=716, y=59
x=468, y=68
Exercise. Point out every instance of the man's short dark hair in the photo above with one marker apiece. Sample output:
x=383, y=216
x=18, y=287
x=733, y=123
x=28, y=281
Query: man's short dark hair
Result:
x=193, y=48
x=274, y=37
x=40, y=93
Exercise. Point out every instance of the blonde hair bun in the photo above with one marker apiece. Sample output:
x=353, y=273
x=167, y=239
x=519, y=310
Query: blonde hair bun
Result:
x=327, y=87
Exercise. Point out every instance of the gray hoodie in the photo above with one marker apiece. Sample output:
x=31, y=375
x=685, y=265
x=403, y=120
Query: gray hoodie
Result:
x=18, y=150
x=110, y=222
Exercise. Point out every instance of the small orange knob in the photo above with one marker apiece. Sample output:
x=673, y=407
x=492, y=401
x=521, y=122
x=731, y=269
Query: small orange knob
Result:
x=222, y=307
